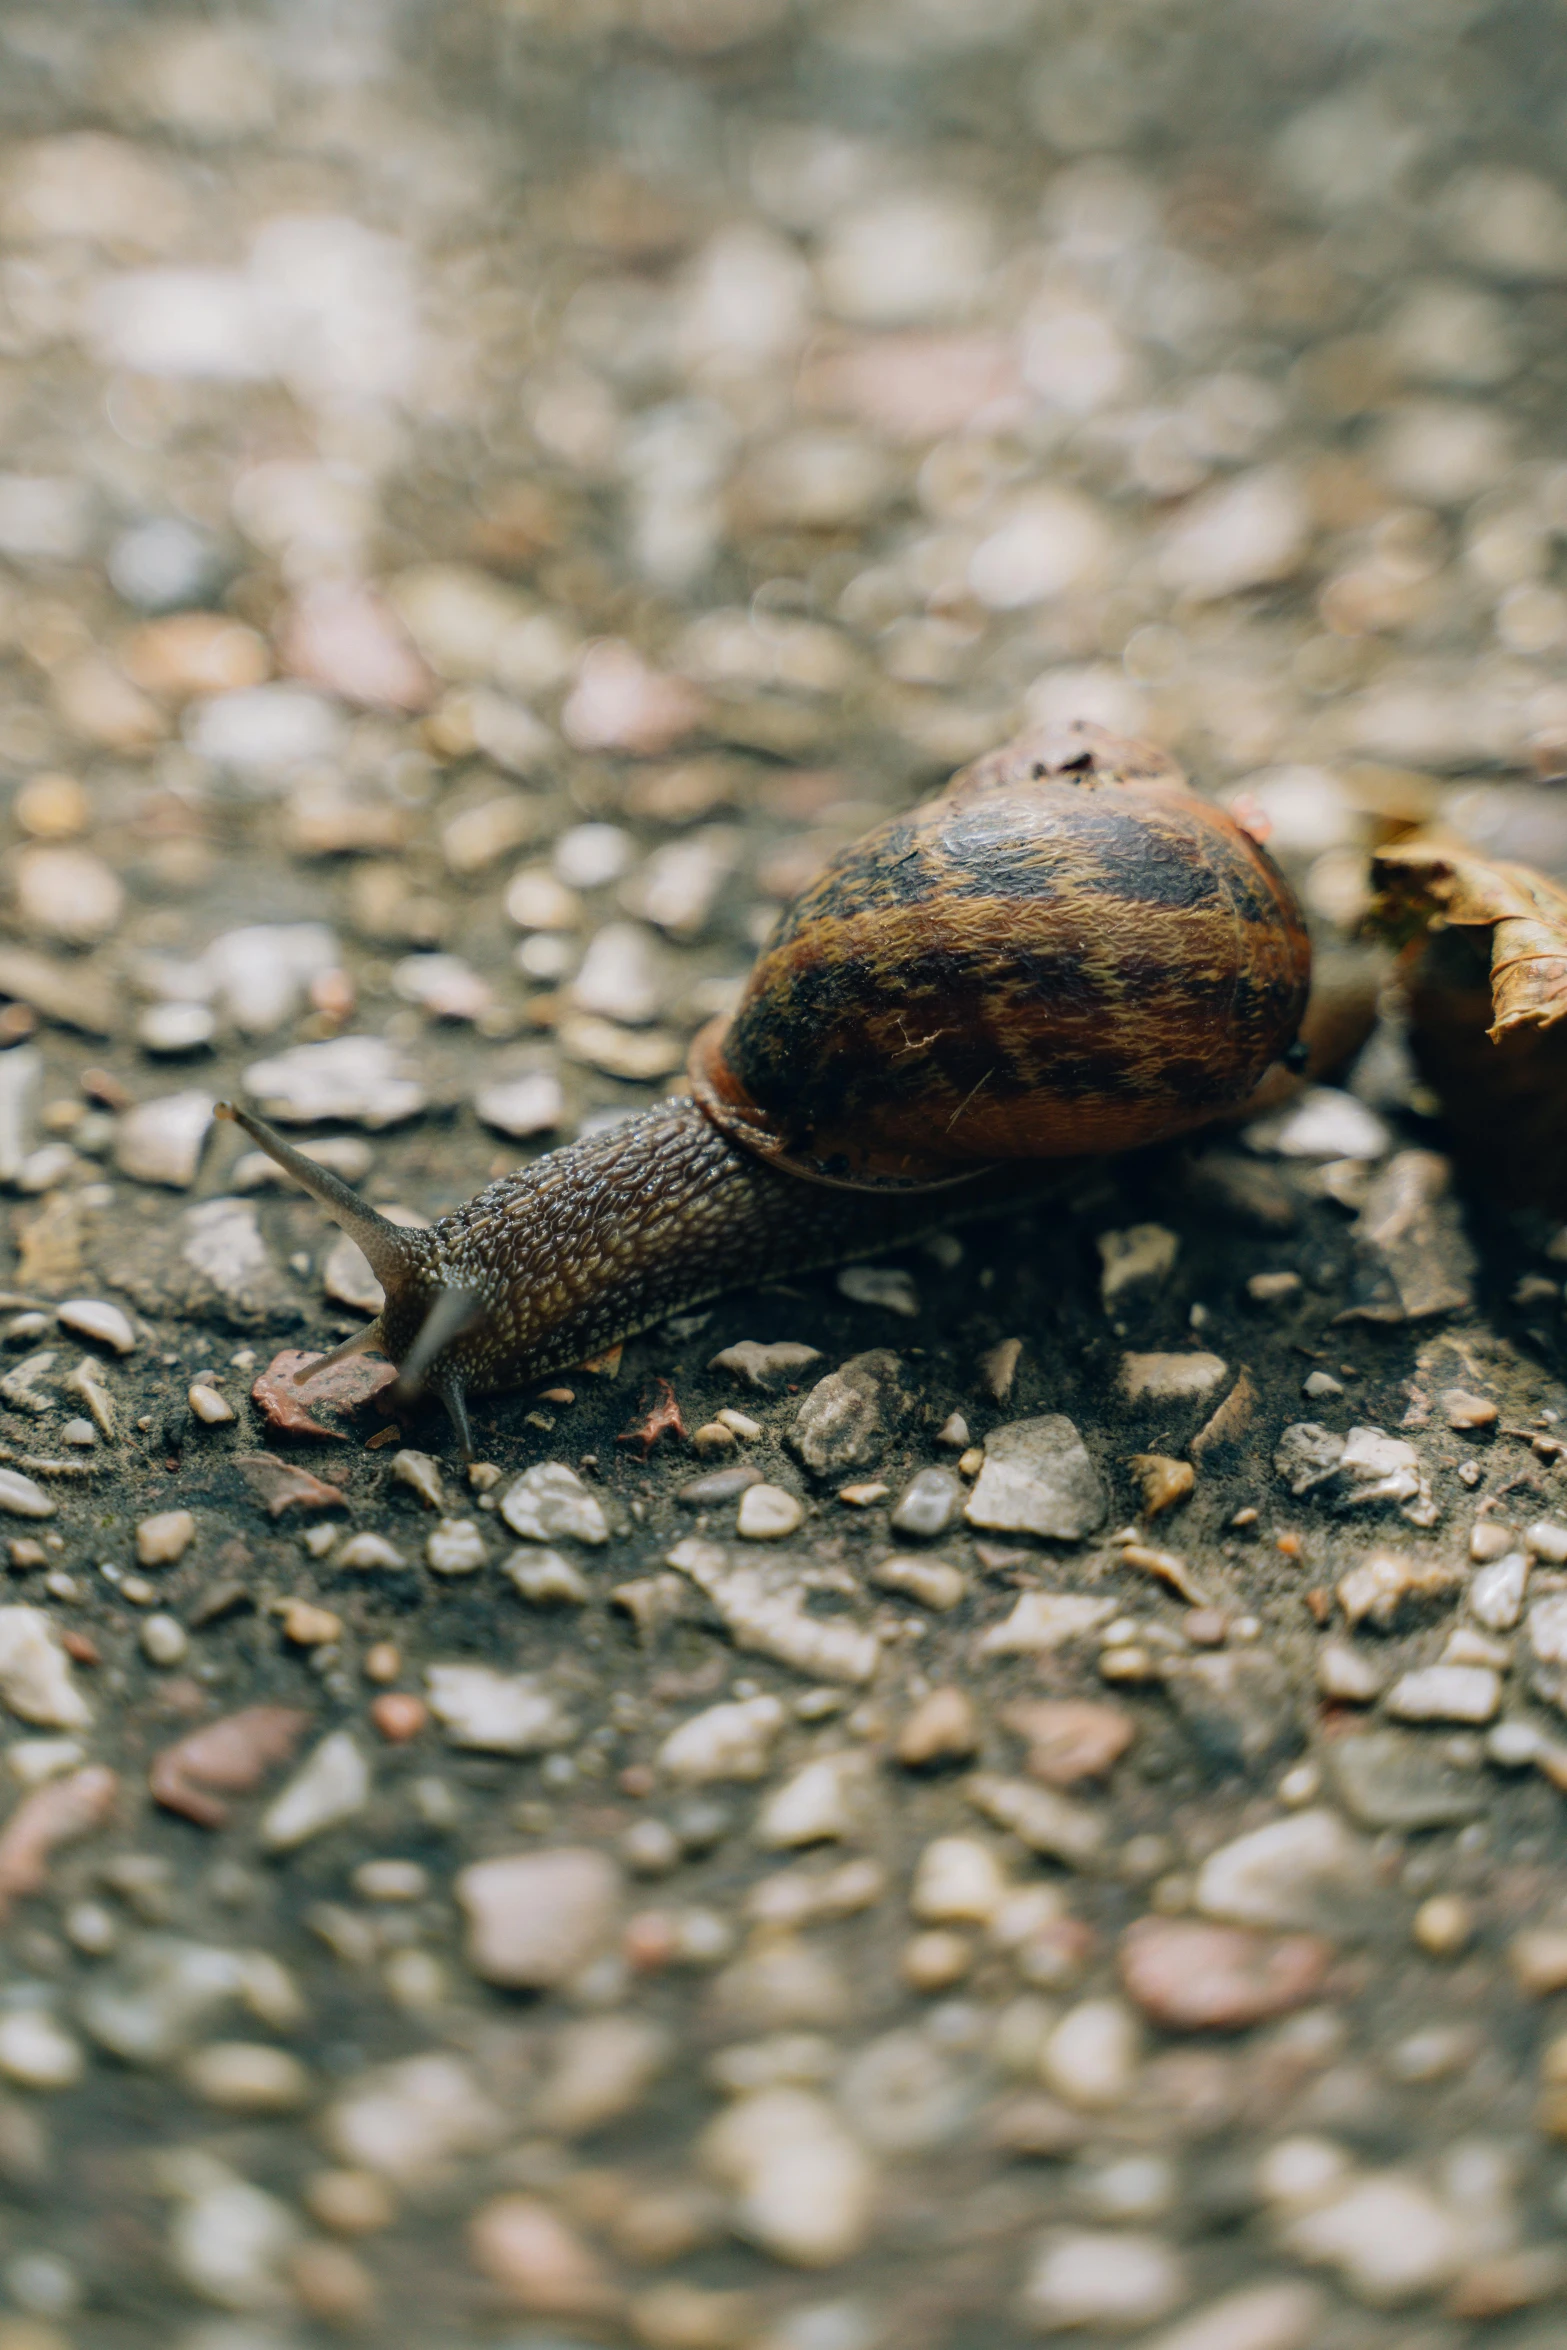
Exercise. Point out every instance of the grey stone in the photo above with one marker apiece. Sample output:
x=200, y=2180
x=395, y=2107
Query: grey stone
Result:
x=880, y=1285
x=20, y=1497
x=1309, y=1872
x=260, y=973
x=229, y=2241
x=1447, y=1693
x=35, y=1672
x=421, y=1473
x=928, y=1504
x=719, y=1485
x=498, y=1713
x=1546, y=1631
x=535, y=1919
x=331, y=1786
x=1307, y=1455
x=1413, y=1259
x=1039, y=1479
x=1385, y=1779
x=406, y=2120
x=263, y=734
x=622, y=975
x=848, y=1419
x=803, y=2188
x=550, y=1503
x=24, y=1387
x=161, y=1141
x=763, y=1608
x=756, y=1365
x=1321, y=1123
x=1171, y=1377
x=172, y=1029
x=166, y=565
x=1040, y=1818
x=95, y=1317
x=905, y=2096
x=1375, y=1467
x=546, y=1578
x=162, y=1996
x=677, y=886
x=532, y=1103
x=1361, y=1470
x=1238, y=1705
x=1139, y=1259
x=212, y=1260
x=600, y=2068
x=1496, y=1591
x=21, y=1083
x=362, y=1079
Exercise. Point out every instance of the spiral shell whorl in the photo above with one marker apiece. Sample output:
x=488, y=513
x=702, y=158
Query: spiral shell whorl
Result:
x=1065, y=952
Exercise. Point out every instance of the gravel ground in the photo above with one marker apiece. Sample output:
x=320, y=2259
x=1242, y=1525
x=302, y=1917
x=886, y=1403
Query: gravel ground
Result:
x=1008, y=1791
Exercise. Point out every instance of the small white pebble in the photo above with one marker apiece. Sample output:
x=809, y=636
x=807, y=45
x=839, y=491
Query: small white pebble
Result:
x=416, y=1981
x=547, y=1578
x=30, y=1761
x=651, y=1848
x=455, y=1547
x=94, y=1317
x=247, y=2076
x=931, y=1583
x=423, y=1474
x=38, y=2052
x=1272, y=1289
x=207, y=1405
x=369, y=1550
x=767, y=1513
x=163, y=1540
x=391, y=1880
x=935, y=1961
x=1091, y=2057
x=1444, y=1924
x=164, y=1641
x=91, y=1928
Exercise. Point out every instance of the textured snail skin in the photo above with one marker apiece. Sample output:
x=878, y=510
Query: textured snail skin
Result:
x=600, y=1240
x=1066, y=953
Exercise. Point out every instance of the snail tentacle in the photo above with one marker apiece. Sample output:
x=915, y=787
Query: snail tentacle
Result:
x=392, y=1252
x=364, y=1341
x=451, y=1312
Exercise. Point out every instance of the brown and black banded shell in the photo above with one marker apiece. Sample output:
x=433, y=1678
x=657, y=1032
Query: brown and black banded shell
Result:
x=1061, y=954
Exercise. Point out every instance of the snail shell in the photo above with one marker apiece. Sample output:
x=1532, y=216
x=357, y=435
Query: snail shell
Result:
x=1065, y=952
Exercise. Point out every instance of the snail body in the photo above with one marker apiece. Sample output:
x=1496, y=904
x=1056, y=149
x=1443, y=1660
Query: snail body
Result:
x=1064, y=953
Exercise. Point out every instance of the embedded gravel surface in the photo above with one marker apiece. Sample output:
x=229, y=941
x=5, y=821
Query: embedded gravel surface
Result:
x=1006, y=1793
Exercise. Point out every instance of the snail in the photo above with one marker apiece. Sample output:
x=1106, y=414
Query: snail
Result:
x=1064, y=953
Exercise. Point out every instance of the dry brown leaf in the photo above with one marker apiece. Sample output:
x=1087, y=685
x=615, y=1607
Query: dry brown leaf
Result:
x=1429, y=878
